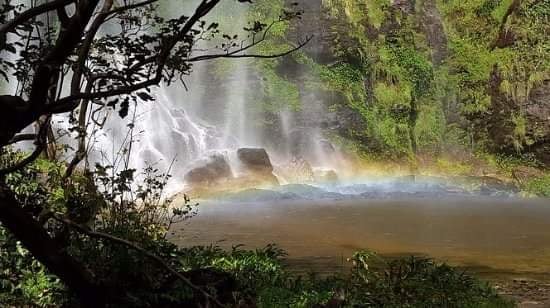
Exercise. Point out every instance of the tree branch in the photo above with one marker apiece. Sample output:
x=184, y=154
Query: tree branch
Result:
x=100, y=235
x=235, y=54
x=22, y=137
x=40, y=142
x=31, y=13
x=48, y=251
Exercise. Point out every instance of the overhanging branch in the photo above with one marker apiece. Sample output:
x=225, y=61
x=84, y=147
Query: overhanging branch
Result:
x=259, y=56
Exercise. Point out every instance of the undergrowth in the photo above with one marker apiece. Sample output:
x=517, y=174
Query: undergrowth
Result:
x=258, y=278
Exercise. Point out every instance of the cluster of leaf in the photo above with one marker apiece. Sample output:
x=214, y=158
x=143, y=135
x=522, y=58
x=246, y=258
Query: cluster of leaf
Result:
x=23, y=280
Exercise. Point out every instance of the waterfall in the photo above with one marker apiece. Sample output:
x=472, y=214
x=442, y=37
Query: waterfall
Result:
x=212, y=114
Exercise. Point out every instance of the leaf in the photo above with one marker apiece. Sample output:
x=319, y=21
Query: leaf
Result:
x=10, y=48
x=144, y=96
x=124, y=107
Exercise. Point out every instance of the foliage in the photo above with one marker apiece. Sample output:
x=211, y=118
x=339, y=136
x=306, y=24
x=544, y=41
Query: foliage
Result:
x=105, y=201
x=262, y=278
x=372, y=282
x=23, y=280
x=539, y=186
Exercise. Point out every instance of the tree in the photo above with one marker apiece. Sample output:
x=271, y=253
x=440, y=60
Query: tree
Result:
x=64, y=63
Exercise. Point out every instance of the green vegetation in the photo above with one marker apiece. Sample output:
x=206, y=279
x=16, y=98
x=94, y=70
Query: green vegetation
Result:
x=260, y=278
x=539, y=186
x=459, y=93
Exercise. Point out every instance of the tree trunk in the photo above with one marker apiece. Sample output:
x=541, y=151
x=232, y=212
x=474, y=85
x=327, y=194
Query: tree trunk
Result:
x=33, y=237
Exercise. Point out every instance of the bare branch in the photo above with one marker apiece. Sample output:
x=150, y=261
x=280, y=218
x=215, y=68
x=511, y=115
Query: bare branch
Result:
x=131, y=7
x=84, y=50
x=260, y=56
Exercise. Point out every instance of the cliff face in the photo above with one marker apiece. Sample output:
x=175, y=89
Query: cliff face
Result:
x=538, y=118
x=533, y=131
x=499, y=121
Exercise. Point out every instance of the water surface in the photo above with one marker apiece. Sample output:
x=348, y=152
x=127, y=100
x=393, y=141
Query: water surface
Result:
x=505, y=236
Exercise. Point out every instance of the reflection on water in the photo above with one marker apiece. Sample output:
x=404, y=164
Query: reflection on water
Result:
x=507, y=235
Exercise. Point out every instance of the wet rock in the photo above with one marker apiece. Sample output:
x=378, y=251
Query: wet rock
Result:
x=485, y=185
x=257, y=167
x=298, y=170
x=210, y=171
x=536, y=115
x=432, y=26
x=255, y=160
x=258, y=195
x=309, y=192
x=325, y=176
x=538, y=121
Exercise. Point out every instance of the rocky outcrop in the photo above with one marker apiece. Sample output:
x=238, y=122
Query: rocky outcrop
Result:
x=211, y=171
x=535, y=113
x=432, y=26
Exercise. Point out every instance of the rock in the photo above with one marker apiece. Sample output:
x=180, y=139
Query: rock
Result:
x=307, y=192
x=258, y=195
x=298, y=170
x=325, y=176
x=524, y=173
x=536, y=118
x=432, y=26
x=485, y=185
x=537, y=114
x=255, y=159
x=213, y=170
x=257, y=167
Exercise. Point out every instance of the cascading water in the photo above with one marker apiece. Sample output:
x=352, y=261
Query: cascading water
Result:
x=210, y=115
x=215, y=115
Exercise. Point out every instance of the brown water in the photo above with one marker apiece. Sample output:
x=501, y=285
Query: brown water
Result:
x=489, y=236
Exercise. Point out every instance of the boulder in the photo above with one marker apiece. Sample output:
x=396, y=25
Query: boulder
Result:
x=255, y=160
x=325, y=176
x=257, y=167
x=213, y=170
